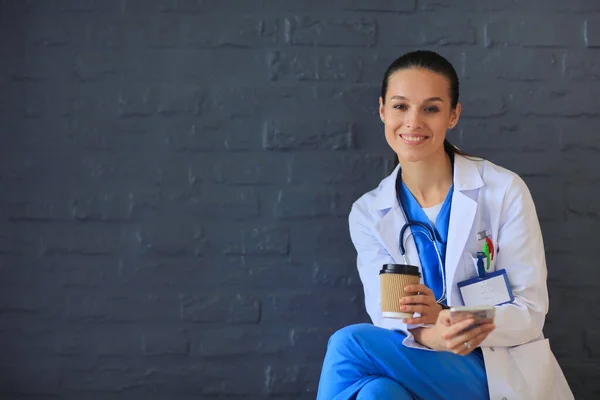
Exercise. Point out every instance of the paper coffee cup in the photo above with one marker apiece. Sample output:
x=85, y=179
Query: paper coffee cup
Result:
x=393, y=279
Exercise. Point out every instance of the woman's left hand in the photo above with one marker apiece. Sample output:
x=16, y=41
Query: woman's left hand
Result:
x=423, y=302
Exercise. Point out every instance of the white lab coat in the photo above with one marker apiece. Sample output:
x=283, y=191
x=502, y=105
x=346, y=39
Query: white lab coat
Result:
x=518, y=359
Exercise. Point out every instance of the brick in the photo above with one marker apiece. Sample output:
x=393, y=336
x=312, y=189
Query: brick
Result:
x=292, y=379
x=306, y=308
x=479, y=104
x=526, y=164
x=23, y=341
x=330, y=32
x=336, y=169
x=36, y=210
x=81, y=239
x=230, y=342
x=580, y=164
x=410, y=30
x=218, y=202
x=548, y=208
x=544, y=31
x=513, y=64
x=191, y=135
x=218, y=378
x=102, y=207
x=107, y=379
x=101, y=341
x=201, y=272
x=164, y=100
x=26, y=301
x=301, y=203
x=578, y=200
x=45, y=32
x=266, y=271
x=311, y=343
x=30, y=381
x=304, y=66
x=592, y=32
x=185, y=7
x=165, y=342
x=395, y=6
x=73, y=6
x=574, y=99
x=574, y=136
x=325, y=240
x=343, y=100
x=581, y=66
x=336, y=272
x=161, y=239
x=308, y=135
x=345, y=195
x=567, y=237
x=42, y=64
x=575, y=6
x=266, y=240
x=191, y=65
x=237, y=169
x=515, y=136
x=578, y=277
x=121, y=308
x=229, y=32
x=236, y=309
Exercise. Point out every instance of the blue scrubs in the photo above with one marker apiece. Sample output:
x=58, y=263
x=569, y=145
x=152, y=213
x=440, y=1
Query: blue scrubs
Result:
x=367, y=362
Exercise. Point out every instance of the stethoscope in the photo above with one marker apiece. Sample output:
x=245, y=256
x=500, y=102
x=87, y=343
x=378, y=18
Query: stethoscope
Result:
x=427, y=231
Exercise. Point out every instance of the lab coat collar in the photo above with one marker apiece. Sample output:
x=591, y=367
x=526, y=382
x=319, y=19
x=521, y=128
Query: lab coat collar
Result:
x=466, y=177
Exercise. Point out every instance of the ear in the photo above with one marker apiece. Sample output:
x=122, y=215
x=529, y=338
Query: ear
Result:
x=455, y=116
x=381, y=109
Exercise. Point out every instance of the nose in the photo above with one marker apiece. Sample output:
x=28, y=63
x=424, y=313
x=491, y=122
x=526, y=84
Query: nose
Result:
x=413, y=120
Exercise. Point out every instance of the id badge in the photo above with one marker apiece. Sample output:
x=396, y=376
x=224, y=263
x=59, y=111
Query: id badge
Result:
x=491, y=290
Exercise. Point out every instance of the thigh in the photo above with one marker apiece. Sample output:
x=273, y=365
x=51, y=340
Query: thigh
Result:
x=364, y=350
x=383, y=389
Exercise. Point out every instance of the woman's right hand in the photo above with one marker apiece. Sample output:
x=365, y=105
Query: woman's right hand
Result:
x=445, y=336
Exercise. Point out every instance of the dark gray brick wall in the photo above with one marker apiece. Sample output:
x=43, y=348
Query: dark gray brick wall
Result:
x=175, y=178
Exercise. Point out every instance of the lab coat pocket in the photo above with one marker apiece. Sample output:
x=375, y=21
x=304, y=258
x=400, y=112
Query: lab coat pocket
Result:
x=536, y=363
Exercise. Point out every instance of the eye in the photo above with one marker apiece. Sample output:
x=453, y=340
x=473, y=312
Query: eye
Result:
x=402, y=107
x=431, y=109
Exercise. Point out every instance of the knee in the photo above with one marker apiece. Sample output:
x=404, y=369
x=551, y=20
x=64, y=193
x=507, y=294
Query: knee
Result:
x=349, y=336
x=383, y=388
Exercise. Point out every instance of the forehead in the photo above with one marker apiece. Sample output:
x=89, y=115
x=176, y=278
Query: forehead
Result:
x=416, y=84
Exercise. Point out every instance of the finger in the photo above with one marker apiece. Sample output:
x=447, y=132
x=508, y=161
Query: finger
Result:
x=421, y=309
x=444, y=318
x=418, y=288
x=469, y=336
x=419, y=320
x=455, y=330
x=485, y=331
x=460, y=348
x=419, y=299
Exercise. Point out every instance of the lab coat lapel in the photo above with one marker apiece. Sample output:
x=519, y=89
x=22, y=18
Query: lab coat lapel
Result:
x=467, y=179
x=392, y=221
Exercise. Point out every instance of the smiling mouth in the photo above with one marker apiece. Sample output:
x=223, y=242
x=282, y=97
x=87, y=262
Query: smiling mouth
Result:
x=413, y=139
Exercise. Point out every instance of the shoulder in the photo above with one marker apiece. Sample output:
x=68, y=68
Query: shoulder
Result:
x=368, y=207
x=498, y=178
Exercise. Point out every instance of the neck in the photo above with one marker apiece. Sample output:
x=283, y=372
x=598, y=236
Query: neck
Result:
x=428, y=180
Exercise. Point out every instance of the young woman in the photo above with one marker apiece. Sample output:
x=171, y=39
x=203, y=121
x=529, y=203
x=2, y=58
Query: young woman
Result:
x=464, y=202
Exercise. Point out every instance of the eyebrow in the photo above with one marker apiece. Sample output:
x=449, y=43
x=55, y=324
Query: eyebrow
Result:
x=404, y=98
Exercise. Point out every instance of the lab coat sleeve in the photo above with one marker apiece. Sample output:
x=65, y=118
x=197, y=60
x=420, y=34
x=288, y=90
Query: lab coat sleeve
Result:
x=371, y=255
x=521, y=253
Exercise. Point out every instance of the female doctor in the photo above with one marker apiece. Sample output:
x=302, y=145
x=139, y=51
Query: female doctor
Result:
x=457, y=197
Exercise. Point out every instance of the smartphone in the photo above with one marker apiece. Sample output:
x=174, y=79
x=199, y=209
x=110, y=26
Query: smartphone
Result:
x=481, y=314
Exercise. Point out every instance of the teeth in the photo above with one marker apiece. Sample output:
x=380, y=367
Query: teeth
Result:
x=413, y=138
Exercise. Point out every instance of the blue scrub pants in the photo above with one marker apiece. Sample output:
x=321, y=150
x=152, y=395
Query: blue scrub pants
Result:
x=366, y=362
